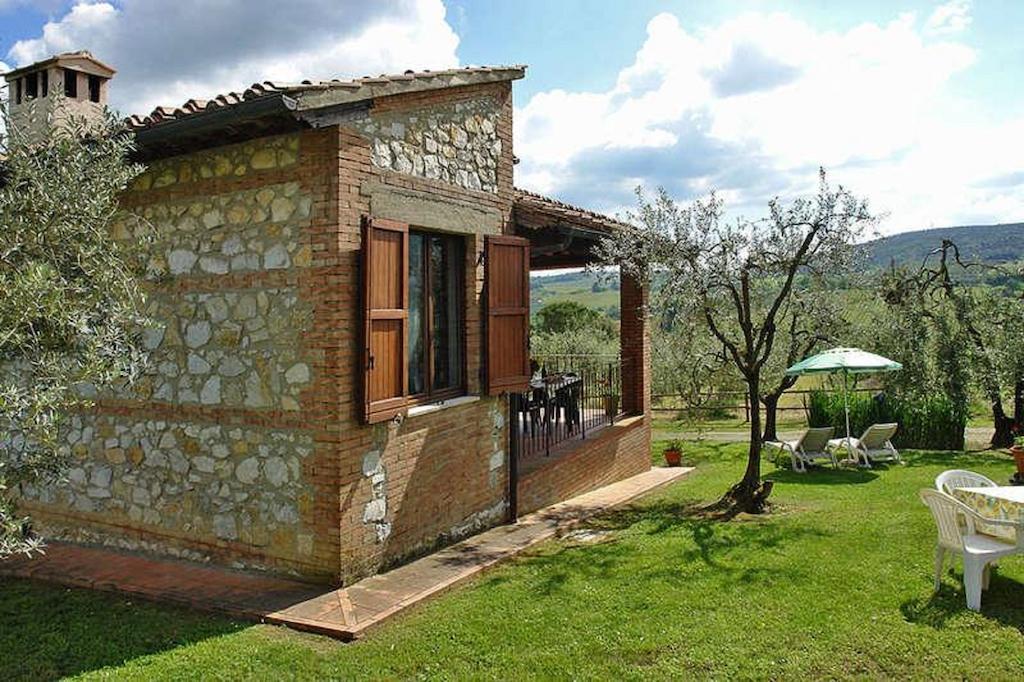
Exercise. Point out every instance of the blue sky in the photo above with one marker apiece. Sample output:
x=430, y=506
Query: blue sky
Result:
x=915, y=105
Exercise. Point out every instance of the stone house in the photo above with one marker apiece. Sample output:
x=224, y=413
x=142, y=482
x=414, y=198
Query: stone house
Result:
x=340, y=376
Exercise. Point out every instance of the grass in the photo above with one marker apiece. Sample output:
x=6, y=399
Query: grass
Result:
x=667, y=422
x=835, y=583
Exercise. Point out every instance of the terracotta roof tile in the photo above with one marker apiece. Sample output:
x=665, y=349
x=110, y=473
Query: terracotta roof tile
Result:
x=569, y=213
x=372, y=85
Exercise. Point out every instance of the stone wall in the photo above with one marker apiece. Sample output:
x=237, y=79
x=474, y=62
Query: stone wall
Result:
x=243, y=231
x=453, y=142
x=214, y=453
x=236, y=348
x=232, y=161
x=232, y=483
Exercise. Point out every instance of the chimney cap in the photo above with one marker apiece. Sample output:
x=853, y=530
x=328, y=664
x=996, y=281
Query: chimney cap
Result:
x=81, y=60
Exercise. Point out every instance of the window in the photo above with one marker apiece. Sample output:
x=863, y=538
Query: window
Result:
x=435, y=345
x=45, y=80
x=32, y=85
x=414, y=320
x=70, y=83
x=17, y=91
x=94, y=88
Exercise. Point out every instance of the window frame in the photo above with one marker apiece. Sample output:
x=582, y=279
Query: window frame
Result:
x=432, y=395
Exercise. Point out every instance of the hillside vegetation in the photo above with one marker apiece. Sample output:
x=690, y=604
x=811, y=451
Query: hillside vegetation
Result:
x=987, y=243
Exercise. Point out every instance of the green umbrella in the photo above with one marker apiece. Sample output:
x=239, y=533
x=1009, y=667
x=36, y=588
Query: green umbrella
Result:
x=847, y=361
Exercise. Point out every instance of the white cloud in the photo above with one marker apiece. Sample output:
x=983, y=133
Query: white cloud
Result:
x=168, y=52
x=951, y=17
x=752, y=107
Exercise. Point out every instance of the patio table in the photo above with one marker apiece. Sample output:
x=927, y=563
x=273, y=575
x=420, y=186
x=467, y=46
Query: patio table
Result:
x=1004, y=503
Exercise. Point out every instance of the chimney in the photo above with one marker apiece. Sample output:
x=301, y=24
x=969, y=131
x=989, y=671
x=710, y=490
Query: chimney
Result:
x=77, y=80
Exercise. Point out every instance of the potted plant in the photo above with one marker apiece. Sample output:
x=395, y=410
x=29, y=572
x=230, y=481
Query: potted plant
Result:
x=1017, y=450
x=674, y=453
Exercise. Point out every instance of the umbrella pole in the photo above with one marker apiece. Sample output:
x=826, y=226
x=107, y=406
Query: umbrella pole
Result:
x=846, y=409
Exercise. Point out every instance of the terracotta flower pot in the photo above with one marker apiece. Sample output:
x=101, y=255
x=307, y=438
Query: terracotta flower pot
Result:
x=673, y=457
x=1018, y=456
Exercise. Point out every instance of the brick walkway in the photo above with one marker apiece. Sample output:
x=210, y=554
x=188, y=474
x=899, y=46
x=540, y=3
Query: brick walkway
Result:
x=344, y=613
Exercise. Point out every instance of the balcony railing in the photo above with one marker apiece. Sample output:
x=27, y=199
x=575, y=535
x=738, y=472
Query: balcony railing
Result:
x=570, y=397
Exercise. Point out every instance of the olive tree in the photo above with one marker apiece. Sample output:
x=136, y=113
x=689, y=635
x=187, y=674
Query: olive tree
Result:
x=949, y=293
x=736, y=279
x=812, y=320
x=70, y=300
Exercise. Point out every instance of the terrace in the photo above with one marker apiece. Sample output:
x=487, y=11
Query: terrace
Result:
x=573, y=400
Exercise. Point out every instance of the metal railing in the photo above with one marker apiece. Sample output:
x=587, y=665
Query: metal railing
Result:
x=570, y=397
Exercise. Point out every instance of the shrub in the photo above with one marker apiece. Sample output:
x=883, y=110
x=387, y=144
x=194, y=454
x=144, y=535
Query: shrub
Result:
x=931, y=422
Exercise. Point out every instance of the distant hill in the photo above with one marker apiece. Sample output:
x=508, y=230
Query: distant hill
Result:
x=582, y=287
x=988, y=243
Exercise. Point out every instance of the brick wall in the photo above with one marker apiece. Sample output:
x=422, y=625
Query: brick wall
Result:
x=635, y=348
x=405, y=487
x=615, y=453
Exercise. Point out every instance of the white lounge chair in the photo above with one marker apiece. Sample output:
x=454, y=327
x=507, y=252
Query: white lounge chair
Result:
x=951, y=479
x=811, y=446
x=956, y=525
x=874, y=445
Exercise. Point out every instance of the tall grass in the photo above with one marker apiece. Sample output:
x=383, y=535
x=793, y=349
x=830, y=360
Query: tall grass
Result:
x=931, y=422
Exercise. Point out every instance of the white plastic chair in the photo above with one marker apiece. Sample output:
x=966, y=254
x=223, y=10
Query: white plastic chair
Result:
x=874, y=445
x=811, y=446
x=955, y=522
x=951, y=479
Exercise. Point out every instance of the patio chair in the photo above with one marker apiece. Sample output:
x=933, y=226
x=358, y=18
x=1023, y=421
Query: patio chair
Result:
x=956, y=526
x=951, y=479
x=811, y=446
x=874, y=445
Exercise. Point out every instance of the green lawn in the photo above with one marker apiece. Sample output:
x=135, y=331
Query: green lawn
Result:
x=835, y=583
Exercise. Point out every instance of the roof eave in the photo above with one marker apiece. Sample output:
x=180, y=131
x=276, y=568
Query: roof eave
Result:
x=177, y=133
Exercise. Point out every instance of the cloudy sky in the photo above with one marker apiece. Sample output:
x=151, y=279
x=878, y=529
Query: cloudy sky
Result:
x=915, y=104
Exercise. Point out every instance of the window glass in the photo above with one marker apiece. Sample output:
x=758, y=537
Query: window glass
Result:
x=435, y=313
x=446, y=346
x=417, y=331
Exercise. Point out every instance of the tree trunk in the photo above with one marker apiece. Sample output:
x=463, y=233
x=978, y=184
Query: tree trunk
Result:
x=1003, y=436
x=751, y=493
x=771, y=407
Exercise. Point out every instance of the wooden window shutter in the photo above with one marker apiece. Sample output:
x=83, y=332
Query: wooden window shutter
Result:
x=507, y=279
x=385, y=285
